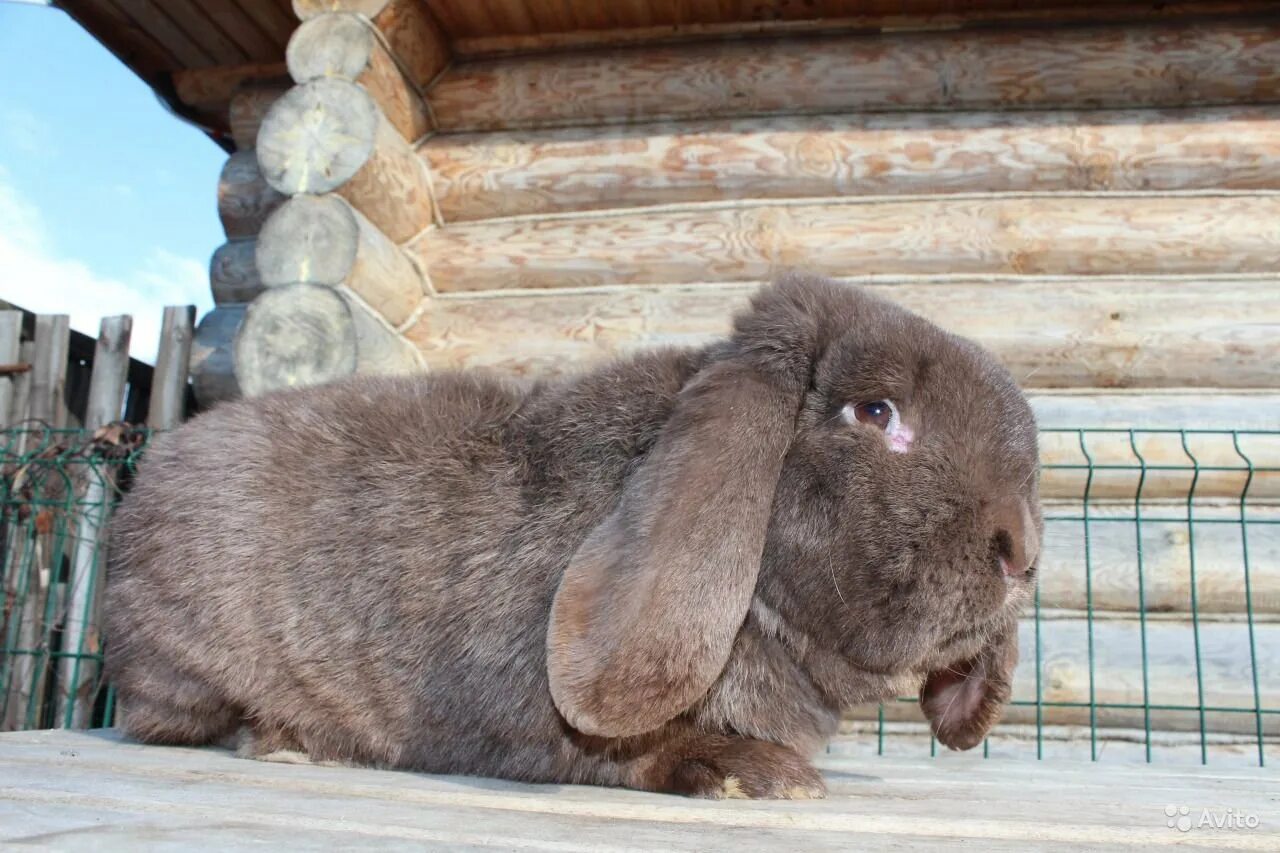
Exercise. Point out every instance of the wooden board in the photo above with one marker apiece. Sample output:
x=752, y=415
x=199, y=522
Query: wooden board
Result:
x=97, y=791
x=479, y=176
x=999, y=235
x=1104, y=567
x=1051, y=334
x=1225, y=673
x=1213, y=62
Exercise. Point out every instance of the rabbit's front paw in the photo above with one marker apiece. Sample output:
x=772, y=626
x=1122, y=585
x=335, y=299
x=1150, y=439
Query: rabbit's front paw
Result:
x=741, y=768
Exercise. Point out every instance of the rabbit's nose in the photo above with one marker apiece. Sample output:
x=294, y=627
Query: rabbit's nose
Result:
x=1015, y=537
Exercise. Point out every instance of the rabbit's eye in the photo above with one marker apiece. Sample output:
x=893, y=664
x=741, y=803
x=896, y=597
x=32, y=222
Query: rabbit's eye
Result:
x=877, y=413
x=883, y=415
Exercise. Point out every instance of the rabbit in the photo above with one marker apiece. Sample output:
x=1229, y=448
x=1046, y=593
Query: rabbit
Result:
x=671, y=573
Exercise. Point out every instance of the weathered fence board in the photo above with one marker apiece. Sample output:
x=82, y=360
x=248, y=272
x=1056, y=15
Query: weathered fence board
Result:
x=168, y=404
x=11, y=357
x=81, y=629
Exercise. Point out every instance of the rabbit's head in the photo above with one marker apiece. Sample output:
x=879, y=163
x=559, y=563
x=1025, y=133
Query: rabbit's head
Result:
x=869, y=477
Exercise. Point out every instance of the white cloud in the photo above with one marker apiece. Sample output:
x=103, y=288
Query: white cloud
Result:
x=35, y=277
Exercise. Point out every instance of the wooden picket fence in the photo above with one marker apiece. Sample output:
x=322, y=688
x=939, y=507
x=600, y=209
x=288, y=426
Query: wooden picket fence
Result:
x=66, y=445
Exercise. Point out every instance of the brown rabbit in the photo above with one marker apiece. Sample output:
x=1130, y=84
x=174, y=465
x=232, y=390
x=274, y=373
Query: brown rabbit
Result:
x=672, y=573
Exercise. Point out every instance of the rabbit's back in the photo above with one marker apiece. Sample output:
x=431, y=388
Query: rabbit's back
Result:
x=369, y=566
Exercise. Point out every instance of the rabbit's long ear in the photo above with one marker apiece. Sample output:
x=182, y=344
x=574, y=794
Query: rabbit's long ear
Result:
x=647, y=611
x=963, y=701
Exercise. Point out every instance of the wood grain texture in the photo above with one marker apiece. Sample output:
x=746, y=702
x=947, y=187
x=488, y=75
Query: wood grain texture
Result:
x=213, y=377
x=1224, y=664
x=108, y=793
x=1204, y=63
x=1104, y=568
x=416, y=40
x=582, y=25
x=345, y=45
x=1056, y=334
x=1059, y=235
x=410, y=28
x=1168, y=464
x=296, y=335
x=10, y=353
x=233, y=274
x=323, y=240
x=167, y=405
x=329, y=136
x=249, y=106
x=245, y=199
x=78, y=673
x=479, y=176
x=308, y=9
x=213, y=87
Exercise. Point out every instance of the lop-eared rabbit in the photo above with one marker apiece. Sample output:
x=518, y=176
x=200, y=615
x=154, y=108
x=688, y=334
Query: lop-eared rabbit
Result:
x=671, y=573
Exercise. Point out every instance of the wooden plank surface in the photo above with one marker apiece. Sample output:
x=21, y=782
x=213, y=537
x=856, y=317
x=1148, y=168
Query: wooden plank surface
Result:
x=1213, y=62
x=479, y=176
x=1120, y=234
x=1223, y=665
x=63, y=789
x=1106, y=568
x=1051, y=334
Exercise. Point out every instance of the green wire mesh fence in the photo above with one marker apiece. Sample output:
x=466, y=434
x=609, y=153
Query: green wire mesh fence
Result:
x=57, y=489
x=1155, y=632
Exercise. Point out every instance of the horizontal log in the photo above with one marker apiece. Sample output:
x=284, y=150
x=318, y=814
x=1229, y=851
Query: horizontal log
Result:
x=323, y=240
x=1058, y=235
x=805, y=19
x=213, y=378
x=1104, y=567
x=1212, y=62
x=1224, y=665
x=212, y=87
x=478, y=176
x=1051, y=334
x=245, y=199
x=329, y=136
x=345, y=45
x=249, y=105
x=233, y=275
x=416, y=39
x=304, y=334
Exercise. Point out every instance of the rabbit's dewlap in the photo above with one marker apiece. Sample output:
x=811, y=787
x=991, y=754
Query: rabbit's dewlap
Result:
x=672, y=573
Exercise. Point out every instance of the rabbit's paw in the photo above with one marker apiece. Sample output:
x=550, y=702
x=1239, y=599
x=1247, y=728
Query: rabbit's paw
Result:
x=740, y=768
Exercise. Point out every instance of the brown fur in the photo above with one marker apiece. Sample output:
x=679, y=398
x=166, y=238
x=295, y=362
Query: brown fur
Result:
x=671, y=573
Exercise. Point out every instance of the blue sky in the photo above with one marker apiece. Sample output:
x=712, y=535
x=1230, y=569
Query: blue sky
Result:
x=107, y=200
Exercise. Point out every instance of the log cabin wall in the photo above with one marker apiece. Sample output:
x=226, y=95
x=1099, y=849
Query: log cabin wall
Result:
x=1091, y=191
